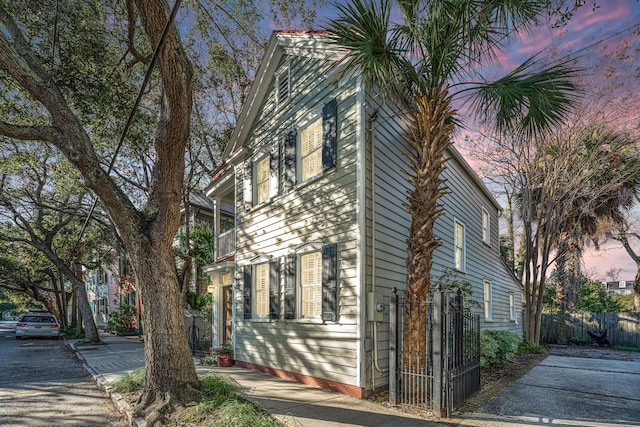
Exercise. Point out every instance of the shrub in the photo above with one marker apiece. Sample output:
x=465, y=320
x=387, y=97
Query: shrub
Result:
x=122, y=321
x=497, y=347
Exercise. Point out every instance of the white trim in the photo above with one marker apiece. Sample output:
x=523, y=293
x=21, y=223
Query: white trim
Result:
x=361, y=238
x=308, y=247
x=487, y=303
x=486, y=238
x=463, y=261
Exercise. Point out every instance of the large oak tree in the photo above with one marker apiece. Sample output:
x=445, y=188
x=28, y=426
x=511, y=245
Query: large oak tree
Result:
x=148, y=229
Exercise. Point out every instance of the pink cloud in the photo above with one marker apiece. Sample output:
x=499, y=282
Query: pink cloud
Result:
x=586, y=17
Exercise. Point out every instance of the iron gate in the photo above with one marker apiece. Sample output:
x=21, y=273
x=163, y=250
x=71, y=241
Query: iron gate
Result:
x=199, y=332
x=434, y=352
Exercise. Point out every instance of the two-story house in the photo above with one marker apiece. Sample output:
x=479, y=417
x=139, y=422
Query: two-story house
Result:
x=313, y=181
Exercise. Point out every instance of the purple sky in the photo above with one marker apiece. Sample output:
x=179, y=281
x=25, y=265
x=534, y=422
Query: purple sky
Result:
x=607, y=77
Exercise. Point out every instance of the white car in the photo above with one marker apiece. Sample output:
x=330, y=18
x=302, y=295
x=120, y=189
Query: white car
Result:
x=40, y=324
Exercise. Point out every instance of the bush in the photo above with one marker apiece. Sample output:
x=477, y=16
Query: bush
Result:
x=122, y=321
x=497, y=347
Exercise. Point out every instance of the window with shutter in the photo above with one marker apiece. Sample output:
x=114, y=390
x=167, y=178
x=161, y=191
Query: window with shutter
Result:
x=311, y=150
x=261, y=290
x=263, y=183
x=311, y=284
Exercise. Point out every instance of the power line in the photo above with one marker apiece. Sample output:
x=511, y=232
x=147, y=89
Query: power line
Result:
x=145, y=82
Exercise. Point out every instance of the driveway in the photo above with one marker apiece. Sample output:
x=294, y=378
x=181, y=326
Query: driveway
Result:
x=571, y=387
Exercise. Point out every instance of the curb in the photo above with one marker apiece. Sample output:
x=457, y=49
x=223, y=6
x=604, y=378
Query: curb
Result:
x=118, y=400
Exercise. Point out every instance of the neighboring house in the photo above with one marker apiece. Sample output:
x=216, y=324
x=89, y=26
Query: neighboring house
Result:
x=314, y=179
x=622, y=287
x=102, y=292
x=201, y=209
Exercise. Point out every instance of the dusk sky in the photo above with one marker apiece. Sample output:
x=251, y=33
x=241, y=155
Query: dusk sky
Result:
x=596, y=36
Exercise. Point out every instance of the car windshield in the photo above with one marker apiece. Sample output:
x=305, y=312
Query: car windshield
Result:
x=38, y=319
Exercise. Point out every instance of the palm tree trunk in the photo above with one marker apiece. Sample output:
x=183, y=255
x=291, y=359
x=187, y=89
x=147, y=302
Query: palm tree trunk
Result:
x=429, y=134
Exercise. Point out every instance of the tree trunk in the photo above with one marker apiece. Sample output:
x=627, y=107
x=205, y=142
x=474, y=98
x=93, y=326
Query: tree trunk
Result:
x=165, y=336
x=429, y=134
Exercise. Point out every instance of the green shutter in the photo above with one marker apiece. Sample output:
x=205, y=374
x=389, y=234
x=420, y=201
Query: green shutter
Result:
x=290, y=146
x=247, y=291
x=274, y=289
x=329, y=282
x=290, y=287
x=329, y=134
x=247, y=185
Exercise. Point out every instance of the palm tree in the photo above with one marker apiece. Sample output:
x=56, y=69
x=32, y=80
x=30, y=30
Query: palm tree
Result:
x=426, y=61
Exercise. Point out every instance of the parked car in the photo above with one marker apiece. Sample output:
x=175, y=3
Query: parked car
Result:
x=40, y=324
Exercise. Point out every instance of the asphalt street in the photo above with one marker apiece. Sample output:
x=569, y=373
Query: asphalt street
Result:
x=42, y=384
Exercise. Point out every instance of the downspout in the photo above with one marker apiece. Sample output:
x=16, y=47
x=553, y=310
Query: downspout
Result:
x=372, y=121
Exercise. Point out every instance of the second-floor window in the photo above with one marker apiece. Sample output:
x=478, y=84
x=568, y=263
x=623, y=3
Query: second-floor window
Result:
x=263, y=180
x=311, y=150
x=486, y=221
x=459, y=243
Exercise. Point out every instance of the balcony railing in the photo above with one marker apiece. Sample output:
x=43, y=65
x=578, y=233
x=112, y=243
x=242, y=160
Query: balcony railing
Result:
x=226, y=243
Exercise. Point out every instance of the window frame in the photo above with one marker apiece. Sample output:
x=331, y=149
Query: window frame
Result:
x=256, y=183
x=317, y=151
x=487, y=300
x=486, y=226
x=257, y=292
x=462, y=248
x=300, y=285
x=512, y=307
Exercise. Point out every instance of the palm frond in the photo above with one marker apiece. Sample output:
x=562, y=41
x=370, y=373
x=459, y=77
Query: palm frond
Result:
x=530, y=100
x=363, y=27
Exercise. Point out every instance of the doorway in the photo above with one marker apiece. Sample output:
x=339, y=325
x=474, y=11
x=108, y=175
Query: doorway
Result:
x=227, y=314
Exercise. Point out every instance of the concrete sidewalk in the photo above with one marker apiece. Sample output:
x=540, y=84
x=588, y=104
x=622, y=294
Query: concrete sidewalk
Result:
x=293, y=403
x=595, y=388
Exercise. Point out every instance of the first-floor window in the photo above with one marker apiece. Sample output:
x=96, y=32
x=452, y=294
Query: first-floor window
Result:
x=488, y=303
x=261, y=290
x=311, y=284
x=512, y=307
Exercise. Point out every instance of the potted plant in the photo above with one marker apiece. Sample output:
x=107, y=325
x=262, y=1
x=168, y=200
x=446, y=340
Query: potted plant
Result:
x=224, y=355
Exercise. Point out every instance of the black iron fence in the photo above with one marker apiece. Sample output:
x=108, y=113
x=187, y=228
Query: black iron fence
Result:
x=434, y=352
x=199, y=332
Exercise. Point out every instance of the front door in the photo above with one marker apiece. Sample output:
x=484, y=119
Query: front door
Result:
x=227, y=315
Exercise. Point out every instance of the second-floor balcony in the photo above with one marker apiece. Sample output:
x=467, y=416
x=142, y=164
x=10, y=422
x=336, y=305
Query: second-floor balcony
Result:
x=226, y=244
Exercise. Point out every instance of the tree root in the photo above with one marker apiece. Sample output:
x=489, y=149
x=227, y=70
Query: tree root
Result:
x=155, y=407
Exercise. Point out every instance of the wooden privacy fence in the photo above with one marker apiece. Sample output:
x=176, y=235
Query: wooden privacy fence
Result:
x=622, y=328
x=434, y=352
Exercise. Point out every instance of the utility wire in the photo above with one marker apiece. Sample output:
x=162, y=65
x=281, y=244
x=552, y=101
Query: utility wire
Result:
x=145, y=82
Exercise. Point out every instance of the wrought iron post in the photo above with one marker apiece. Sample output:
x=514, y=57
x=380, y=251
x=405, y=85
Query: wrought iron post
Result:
x=438, y=303
x=393, y=346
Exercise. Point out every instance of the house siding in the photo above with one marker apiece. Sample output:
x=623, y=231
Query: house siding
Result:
x=392, y=222
x=323, y=210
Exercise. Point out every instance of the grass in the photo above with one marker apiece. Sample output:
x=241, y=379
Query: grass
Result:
x=221, y=404
x=129, y=382
x=526, y=348
x=626, y=348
